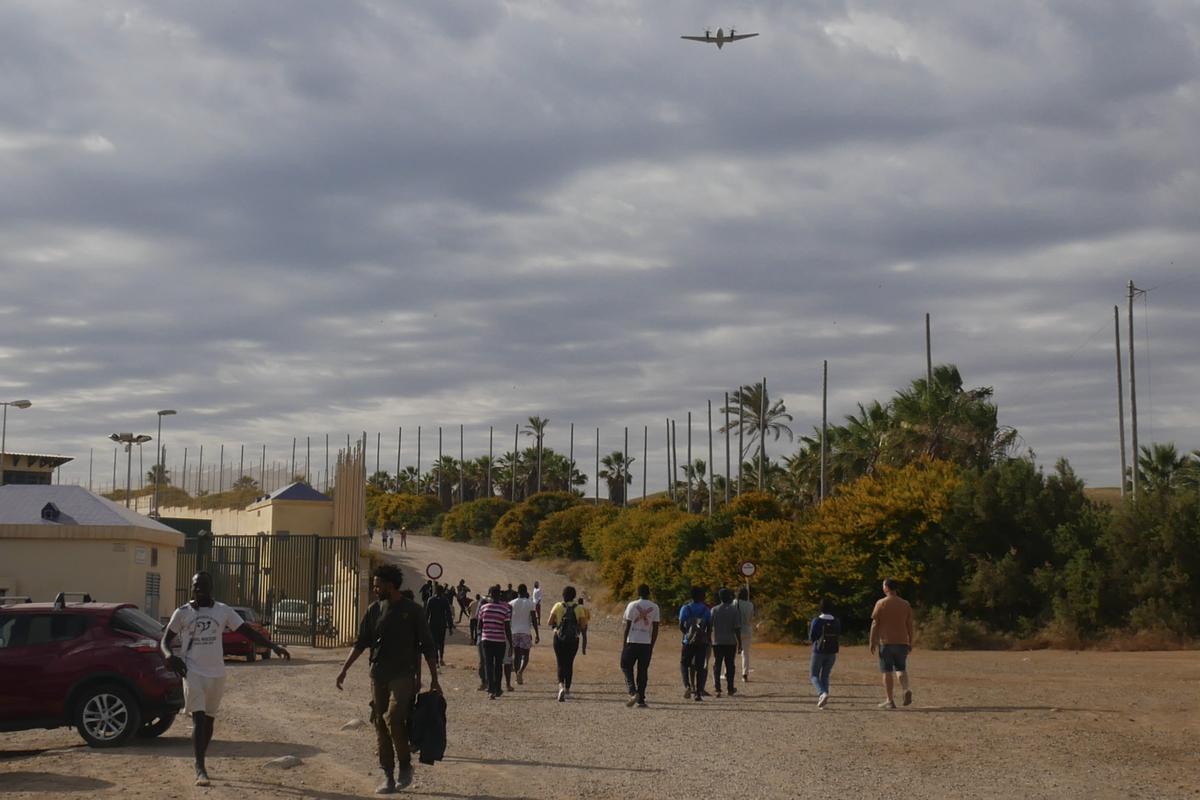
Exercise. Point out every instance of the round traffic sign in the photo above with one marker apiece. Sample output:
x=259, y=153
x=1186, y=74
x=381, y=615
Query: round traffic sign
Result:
x=433, y=571
x=748, y=569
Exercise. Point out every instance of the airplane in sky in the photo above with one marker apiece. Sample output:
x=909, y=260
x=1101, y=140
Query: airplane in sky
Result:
x=720, y=39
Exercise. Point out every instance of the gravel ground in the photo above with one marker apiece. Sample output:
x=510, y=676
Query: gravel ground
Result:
x=1047, y=724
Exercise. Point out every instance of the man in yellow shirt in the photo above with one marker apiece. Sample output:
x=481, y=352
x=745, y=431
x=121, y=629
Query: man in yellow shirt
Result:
x=892, y=636
x=569, y=620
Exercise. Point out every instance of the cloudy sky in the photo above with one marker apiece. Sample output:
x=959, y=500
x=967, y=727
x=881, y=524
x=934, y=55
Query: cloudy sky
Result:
x=295, y=218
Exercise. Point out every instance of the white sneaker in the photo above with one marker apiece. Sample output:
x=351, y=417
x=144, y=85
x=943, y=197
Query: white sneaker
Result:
x=823, y=699
x=632, y=701
x=887, y=704
x=562, y=693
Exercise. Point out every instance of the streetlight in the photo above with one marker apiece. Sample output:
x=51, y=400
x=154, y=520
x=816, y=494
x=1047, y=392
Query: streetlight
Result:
x=129, y=440
x=4, y=430
x=166, y=412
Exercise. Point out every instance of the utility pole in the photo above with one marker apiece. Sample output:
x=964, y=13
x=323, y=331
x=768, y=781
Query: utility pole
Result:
x=670, y=484
x=824, y=420
x=762, y=438
x=1120, y=393
x=262, y=471
x=645, y=457
x=710, y=461
x=571, y=460
x=326, y=481
x=727, y=462
x=293, y=459
x=741, y=435
x=1133, y=291
x=462, y=459
x=625, y=470
x=597, y=466
x=674, y=461
x=928, y=361
x=688, y=470
x=418, y=459
x=491, y=451
x=515, y=459
x=399, y=442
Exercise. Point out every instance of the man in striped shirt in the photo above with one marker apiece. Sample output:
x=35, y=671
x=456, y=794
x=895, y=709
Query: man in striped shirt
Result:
x=495, y=631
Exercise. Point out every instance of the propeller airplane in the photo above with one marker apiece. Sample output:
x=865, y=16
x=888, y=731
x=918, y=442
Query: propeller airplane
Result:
x=721, y=38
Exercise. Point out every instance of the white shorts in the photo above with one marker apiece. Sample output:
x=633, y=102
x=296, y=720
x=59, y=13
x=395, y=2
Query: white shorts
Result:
x=203, y=694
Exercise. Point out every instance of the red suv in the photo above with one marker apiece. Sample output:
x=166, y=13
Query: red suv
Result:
x=92, y=665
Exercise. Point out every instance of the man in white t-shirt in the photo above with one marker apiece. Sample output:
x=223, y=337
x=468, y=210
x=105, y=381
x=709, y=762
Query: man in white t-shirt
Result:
x=746, y=612
x=524, y=630
x=642, y=618
x=199, y=626
x=537, y=601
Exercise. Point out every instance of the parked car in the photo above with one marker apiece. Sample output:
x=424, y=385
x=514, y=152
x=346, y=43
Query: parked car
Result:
x=291, y=616
x=94, y=666
x=238, y=644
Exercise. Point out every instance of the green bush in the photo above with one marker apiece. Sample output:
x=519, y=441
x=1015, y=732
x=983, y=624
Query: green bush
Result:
x=515, y=530
x=473, y=521
x=560, y=534
x=950, y=630
x=387, y=510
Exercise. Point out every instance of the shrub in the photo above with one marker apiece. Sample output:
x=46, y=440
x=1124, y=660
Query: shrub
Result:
x=560, y=534
x=943, y=630
x=474, y=520
x=402, y=510
x=515, y=530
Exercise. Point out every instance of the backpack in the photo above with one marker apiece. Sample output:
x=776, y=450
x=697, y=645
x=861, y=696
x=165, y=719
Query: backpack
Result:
x=568, y=626
x=827, y=643
x=697, y=631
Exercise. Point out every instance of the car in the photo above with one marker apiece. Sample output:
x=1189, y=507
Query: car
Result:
x=291, y=616
x=238, y=644
x=94, y=666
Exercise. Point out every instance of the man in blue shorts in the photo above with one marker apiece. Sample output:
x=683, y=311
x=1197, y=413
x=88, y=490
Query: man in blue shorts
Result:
x=892, y=637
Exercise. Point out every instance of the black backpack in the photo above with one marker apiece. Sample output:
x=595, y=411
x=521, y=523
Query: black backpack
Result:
x=697, y=631
x=827, y=642
x=568, y=626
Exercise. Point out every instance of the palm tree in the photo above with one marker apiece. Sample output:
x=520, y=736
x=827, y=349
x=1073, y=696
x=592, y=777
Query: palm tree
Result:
x=746, y=404
x=1161, y=467
x=502, y=476
x=696, y=472
x=408, y=480
x=944, y=420
x=158, y=474
x=245, y=483
x=616, y=473
x=537, y=428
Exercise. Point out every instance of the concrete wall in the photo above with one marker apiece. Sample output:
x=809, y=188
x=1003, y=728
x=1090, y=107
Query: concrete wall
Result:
x=301, y=517
x=108, y=569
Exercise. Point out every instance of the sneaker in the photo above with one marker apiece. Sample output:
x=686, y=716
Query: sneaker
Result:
x=704, y=693
x=745, y=677
x=404, y=777
x=908, y=697
x=822, y=699
x=562, y=694
x=202, y=778
x=631, y=701
x=642, y=704
x=491, y=695
x=732, y=691
x=697, y=697
x=520, y=680
x=687, y=693
x=887, y=704
x=387, y=787
x=510, y=688
x=718, y=692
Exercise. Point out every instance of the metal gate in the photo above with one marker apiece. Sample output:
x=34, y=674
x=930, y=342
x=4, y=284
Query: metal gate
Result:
x=303, y=588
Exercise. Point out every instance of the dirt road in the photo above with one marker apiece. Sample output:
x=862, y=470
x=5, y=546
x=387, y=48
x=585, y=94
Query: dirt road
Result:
x=983, y=725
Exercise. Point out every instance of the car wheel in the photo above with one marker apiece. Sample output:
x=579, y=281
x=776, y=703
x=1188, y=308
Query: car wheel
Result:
x=250, y=654
x=107, y=715
x=158, y=726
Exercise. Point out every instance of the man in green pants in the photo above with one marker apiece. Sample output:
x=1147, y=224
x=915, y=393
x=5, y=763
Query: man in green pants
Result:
x=394, y=629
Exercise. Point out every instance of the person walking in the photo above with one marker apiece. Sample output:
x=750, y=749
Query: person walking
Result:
x=473, y=616
x=395, y=632
x=403, y=537
x=495, y=631
x=569, y=620
x=440, y=616
x=726, y=640
x=892, y=636
x=524, y=631
x=200, y=624
x=746, y=611
x=824, y=633
x=642, y=619
x=463, y=593
x=537, y=601
x=695, y=621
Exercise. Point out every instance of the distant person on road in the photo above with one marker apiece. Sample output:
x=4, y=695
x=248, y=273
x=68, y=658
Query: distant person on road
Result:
x=726, y=640
x=824, y=633
x=440, y=616
x=524, y=631
x=892, y=636
x=695, y=621
x=199, y=625
x=463, y=594
x=426, y=592
x=403, y=537
x=495, y=630
x=746, y=612
x=473, y=616
x=396, y=633
x=537, y=601
x=642, y=619
x=569, y=620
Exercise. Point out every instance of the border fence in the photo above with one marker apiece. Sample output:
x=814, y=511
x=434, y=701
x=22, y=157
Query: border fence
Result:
x=304, y=589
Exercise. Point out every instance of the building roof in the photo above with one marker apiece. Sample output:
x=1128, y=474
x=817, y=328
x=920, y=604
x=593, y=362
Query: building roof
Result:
x=298, y=491
x=42, y=460
x=22, y=505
